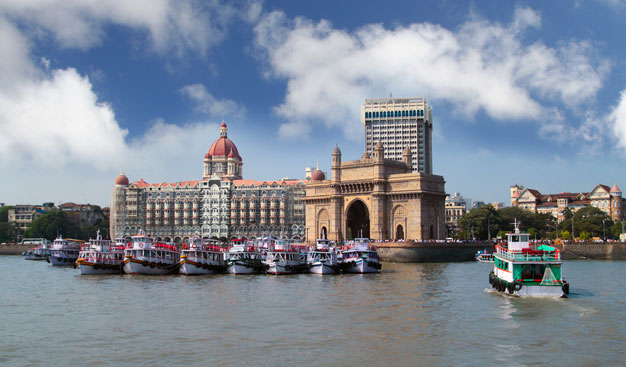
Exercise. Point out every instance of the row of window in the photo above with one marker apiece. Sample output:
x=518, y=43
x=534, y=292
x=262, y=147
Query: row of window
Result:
x=385, y=114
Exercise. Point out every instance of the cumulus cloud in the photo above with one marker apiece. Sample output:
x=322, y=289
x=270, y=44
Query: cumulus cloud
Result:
x=169, y=25
x=57, y=132
x=617, y=119
x=206, y=103
x=482, y=65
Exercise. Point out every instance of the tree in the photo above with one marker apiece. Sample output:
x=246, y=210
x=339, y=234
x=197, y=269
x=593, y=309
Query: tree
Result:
x=4, y=214
x=565, y=235
x=616, y=229
x=476, y=222
x=7, y=232
x=584, y=235
x=592, y=220
x=51, y=224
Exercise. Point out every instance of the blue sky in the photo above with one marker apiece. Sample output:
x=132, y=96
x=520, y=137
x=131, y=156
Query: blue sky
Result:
x=527, y=92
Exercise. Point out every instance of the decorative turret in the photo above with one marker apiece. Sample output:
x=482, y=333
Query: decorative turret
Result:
x=223, y=158
x=378, y=152
x=406, y=157
x=336, y=166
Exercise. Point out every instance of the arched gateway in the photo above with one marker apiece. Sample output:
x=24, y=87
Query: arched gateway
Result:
x=376, y=198
x=357, y=220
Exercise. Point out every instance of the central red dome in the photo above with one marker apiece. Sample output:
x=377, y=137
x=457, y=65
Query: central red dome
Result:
x=223, y=147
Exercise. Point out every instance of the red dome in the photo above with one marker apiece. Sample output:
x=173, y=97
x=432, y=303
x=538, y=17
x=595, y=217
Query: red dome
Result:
x=223, y=124
x=318, y=175
x=222, y=147
x=122, y=180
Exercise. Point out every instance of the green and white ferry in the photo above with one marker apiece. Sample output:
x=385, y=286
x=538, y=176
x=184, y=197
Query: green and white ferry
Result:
x=527, y=270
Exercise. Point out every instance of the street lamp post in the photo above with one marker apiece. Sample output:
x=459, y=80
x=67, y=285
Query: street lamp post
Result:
x=603, y=230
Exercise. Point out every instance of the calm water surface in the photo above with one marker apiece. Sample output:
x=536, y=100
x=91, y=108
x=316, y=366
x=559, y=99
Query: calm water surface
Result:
x=410, y=314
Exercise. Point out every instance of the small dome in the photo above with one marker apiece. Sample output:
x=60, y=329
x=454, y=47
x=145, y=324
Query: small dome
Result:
x=223, y=124
x=378, y=145
x=207, y=156
x=406, y=151
x=365, y=155
x=122, y=180
x=336, y=150
x=318, y=175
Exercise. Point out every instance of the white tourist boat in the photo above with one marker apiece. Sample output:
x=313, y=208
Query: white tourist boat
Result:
x=322, y=259
x=144, y=256
x=64, y=252
x=41, y=251
x=200, y=257
x=360, y=256
x=283, y=258
x=484, y=256
x=527, y=270
x=243, y=258
x=101, y=256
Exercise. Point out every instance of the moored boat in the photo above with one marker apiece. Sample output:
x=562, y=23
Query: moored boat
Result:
x=101, y=256
x=64, y=252
x=243, y=258
x=322, y=259
x=282, y=258
x=143, y=256
x=360, y=256
x=527, y=270
x=200, y=257
x=40, y=252
x=484, y=256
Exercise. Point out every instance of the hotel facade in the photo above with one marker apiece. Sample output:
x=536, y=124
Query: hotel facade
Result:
x=222, y=205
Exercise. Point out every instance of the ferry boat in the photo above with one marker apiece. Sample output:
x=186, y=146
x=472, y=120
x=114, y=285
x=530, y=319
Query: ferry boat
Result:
x=484, y=256
x=40, y=252
x=360, y=256
x=243, y=258
x=200, y=257
x=64, y=252
x=527, y=270
x=143, y=256
x=101, y=256
x=282, y=258
x=322, y=259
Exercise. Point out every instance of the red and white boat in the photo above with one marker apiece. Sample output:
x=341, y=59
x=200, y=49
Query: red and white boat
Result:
x=64, y=252
x=322, y=259
x=143, y=256
x=201, y=257
x=283, y=258
x=360, y=256
x=101, y=256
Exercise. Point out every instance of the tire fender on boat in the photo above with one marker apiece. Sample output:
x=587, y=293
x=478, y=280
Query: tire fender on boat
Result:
x=517, y=286
x=565, y=287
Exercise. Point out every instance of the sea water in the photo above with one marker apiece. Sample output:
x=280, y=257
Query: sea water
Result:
x=440, y=314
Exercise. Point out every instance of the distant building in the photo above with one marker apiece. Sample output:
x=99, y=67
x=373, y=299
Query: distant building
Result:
x=456, y=206
x=497, y=205
x=23, y=215
x=399, y=123
x=477, y=204
x=607, y=199
x=86, y=214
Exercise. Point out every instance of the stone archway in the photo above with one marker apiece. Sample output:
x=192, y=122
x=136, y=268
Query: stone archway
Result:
x=324, y=233
x=357, y=220
x=399, y=232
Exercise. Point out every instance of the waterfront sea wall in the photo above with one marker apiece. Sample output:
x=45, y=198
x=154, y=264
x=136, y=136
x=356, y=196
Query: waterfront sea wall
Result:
x=13, y=249
x=410, y=252
x=597, y=251
x=453, y=251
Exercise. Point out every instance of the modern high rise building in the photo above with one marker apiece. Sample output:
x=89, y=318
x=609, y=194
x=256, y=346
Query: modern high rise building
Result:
x=399, y=123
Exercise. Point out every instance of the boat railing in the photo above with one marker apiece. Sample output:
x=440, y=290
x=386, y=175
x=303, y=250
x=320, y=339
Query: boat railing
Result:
x=528, y=254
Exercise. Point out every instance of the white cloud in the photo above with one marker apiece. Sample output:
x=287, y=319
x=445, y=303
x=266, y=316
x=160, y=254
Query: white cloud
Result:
x=207, y=103
x=480, y=66
x=170, y=25
x=617, y=119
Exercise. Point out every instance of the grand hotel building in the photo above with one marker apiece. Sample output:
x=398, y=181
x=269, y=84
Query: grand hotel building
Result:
x=221, y=205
